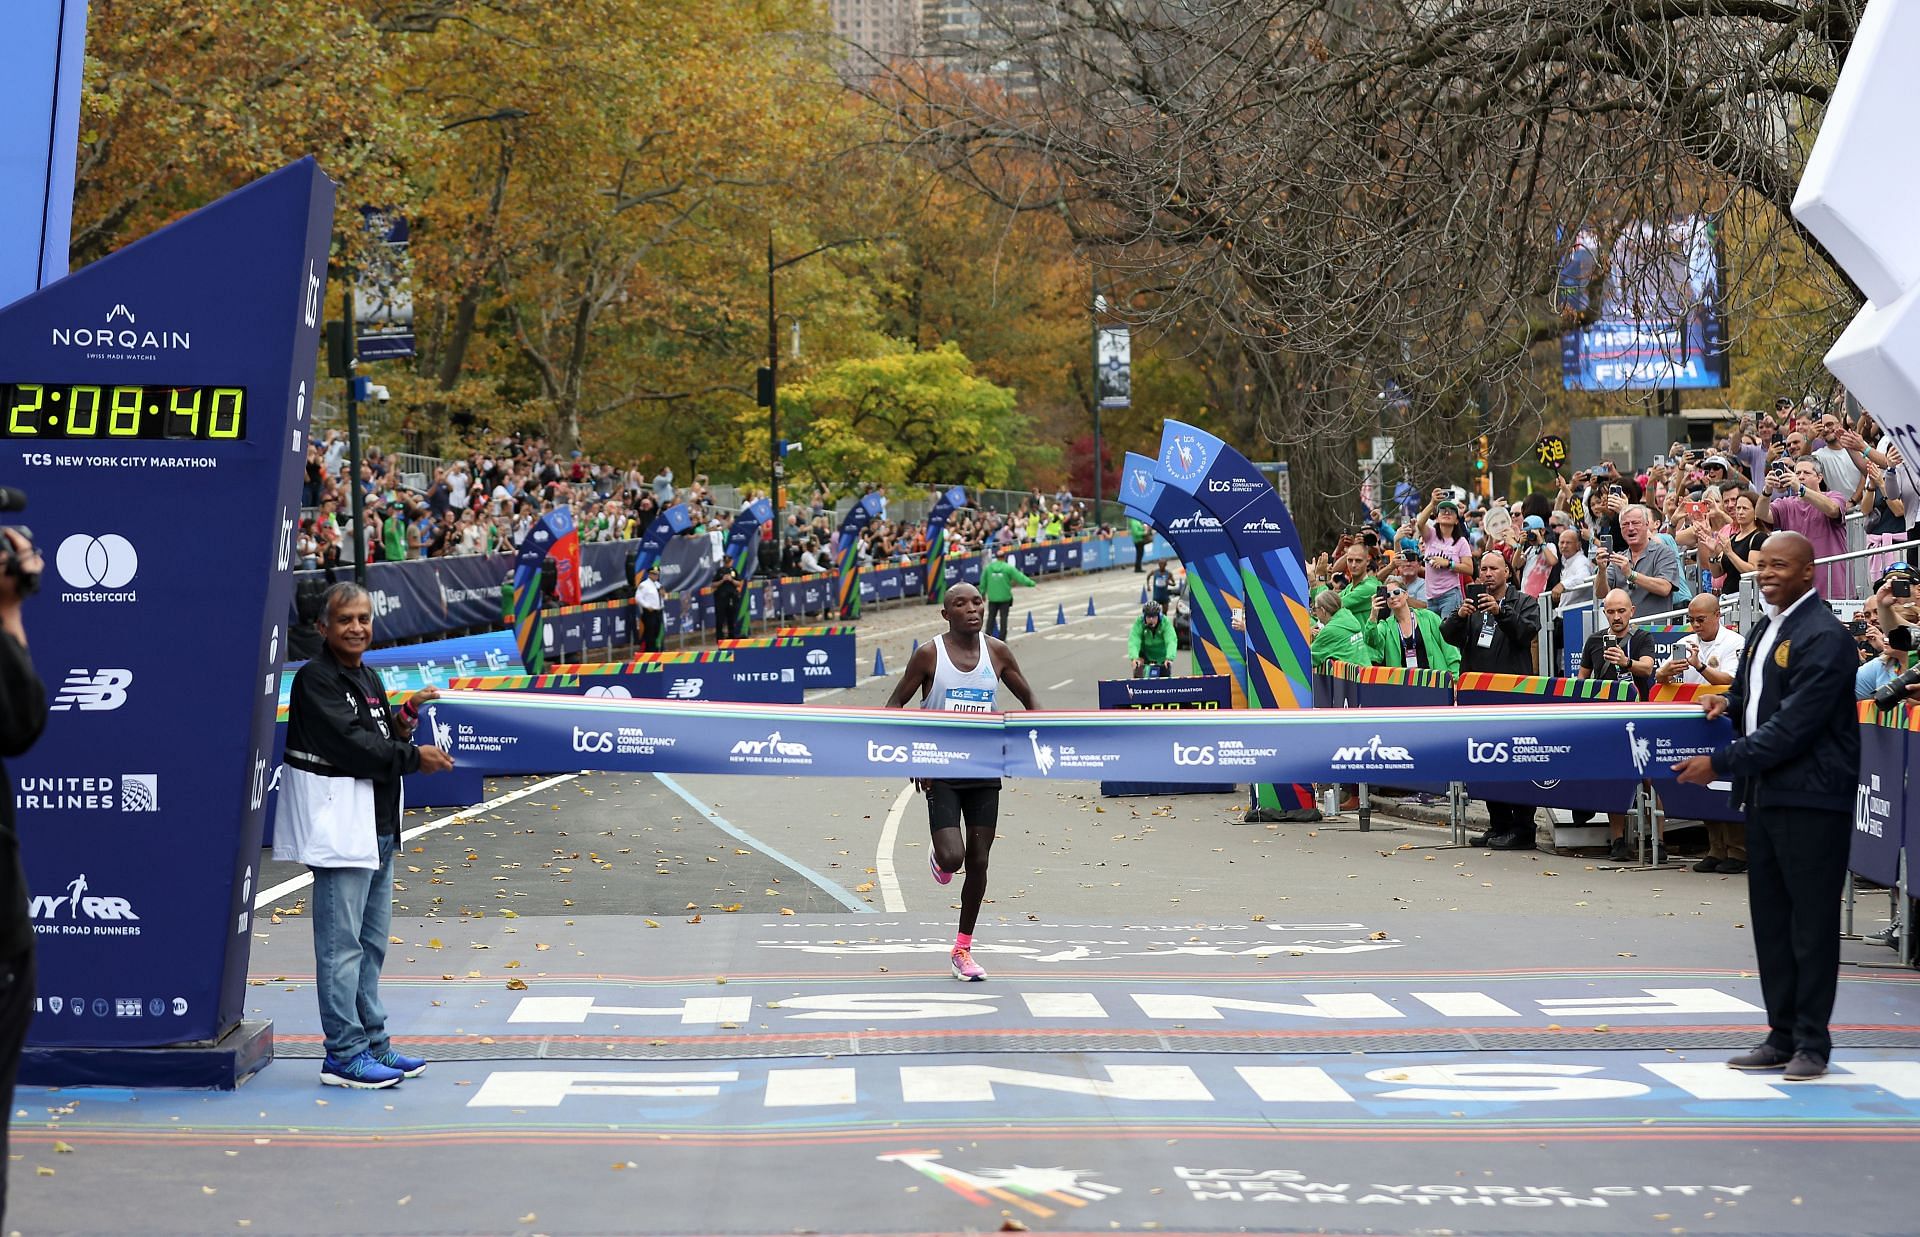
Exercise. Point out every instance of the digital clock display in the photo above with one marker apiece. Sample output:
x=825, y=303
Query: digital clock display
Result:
x=85, y=412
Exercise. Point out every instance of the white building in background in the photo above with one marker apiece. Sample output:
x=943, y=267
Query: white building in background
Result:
x=877, y=31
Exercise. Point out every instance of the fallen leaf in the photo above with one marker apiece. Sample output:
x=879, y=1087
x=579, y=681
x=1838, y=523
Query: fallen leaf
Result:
x=516, y=985
x=61, y=1148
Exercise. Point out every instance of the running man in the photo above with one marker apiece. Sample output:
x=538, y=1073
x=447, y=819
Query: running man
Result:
x=961, y=672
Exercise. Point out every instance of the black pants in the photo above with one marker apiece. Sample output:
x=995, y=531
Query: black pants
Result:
x=649, y=630
x=726, y=622
x=16, y=1010
x=997, y=618
x=1796, y=870
x=1510, y=820
x=1139, y=554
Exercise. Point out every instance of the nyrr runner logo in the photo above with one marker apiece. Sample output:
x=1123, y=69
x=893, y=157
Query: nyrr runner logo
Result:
x=772, y=750
x=93, y=691
x=1263, y=526
x=80, y=913
x=1375, y=755
x=1198, y=519
x=130, y=792
x=1030, y=1189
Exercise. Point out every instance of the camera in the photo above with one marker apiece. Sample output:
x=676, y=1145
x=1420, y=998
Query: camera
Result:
x=1902, y=586
x=1895, y=691
x=1858, y=627
x=25, y=582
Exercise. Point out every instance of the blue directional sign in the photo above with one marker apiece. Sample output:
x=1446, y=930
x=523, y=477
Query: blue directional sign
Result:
x=155, y=408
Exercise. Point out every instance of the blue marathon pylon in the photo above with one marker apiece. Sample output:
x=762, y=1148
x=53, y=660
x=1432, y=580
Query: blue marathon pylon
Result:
x=1029, y=620
x=1060, y=619
x=1090, y=613
x=879, y=664
x=1143, y=594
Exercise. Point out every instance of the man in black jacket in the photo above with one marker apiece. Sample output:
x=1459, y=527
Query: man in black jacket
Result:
x=1795, y=764
x=726, y=604
x=1494, y=629
x=339, y=814
x=23, y=714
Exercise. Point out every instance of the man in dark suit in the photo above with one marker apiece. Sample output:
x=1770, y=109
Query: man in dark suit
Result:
x=1494, y=629
x=1794, y=762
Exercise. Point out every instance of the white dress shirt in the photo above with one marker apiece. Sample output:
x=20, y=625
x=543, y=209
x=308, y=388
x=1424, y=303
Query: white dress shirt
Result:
x=1762, y=647
x=1720, y=653
x=647, y=594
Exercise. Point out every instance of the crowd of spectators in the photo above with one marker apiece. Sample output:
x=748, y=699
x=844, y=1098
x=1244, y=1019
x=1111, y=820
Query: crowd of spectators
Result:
x=1465, y=584
x=485, y=502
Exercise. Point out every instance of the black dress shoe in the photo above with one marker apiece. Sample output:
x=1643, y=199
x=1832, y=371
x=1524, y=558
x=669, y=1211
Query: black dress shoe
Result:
x=1805, y=1067
x=1709, y=864
x=1618, y=852
x=1511, y=841
x=1481, y=839
x=1765, y=1057
x=1732, y=867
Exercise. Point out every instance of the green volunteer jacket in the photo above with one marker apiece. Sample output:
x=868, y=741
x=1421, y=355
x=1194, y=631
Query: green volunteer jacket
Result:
x=1436, y=652
x=1342, y=638
x=997, y=581
x=1139, y=531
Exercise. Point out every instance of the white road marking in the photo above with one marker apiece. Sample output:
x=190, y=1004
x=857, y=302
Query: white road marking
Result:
x=268, y=896
x=735, y=832
x=883, y=867
x=1057, y=686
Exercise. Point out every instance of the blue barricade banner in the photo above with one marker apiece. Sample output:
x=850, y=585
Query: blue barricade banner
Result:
x=1880, y=804
x=514, y=731
x=829, y=657
x=1396, y=687
x=569, y=633
x=1206, y=691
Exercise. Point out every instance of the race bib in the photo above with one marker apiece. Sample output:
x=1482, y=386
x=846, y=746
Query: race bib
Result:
x=968, y=700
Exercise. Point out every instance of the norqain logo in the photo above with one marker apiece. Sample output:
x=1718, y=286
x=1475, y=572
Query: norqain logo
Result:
x=122, y=335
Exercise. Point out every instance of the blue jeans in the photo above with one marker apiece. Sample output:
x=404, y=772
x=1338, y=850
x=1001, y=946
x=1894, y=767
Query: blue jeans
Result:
x=352, y=913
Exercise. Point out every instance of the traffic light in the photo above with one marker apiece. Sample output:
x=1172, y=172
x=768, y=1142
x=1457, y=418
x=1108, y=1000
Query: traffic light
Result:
x=1481, y=449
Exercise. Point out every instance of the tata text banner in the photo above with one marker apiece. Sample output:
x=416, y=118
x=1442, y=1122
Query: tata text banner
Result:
x=176, y=368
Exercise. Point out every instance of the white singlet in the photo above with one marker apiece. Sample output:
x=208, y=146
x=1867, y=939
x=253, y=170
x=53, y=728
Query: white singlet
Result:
x=961, y=691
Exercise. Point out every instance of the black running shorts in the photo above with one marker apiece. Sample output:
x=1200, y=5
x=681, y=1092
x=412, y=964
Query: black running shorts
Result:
x=977, y=802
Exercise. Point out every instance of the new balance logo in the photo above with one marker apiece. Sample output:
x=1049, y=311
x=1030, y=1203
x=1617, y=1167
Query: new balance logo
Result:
x=93, y=691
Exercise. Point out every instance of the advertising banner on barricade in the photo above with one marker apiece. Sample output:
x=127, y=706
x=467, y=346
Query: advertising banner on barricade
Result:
x=568, y=633
x=1489, y=767
x=1206, y=691
x=1687, y=802
x=1399, y=687
x=512, y=731
x=1343, y=679
x=1887, y=738
x=828, y=653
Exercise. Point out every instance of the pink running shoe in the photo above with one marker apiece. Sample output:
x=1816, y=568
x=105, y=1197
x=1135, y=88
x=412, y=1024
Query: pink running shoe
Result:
x=965, y=968
x=939, y=876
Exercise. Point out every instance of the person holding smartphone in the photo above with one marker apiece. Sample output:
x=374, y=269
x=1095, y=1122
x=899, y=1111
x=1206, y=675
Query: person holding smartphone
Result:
x=1402, y=634
x=1494, y=629
x=1446, y=550
x=1801, y=502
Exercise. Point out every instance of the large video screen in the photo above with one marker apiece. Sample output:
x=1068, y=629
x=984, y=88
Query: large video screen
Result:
x=1661, y=323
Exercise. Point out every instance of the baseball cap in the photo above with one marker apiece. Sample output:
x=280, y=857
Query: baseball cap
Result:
x=1718, y=461
x=1534, y=521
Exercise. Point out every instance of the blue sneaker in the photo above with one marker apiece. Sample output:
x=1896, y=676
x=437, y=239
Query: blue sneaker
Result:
x=409, y=1067
x=363, y=1073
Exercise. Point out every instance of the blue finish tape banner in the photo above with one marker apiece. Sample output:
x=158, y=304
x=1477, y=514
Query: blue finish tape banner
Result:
x=178, y=368
x=510, y=731
x=1880, y=803
x=514, y=731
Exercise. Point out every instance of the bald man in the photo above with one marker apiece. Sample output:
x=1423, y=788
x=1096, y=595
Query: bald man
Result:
x=1795, y=763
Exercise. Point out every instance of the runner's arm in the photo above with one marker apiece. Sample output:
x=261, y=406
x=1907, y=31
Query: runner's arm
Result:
x=918, y=674
x=1009, y=671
